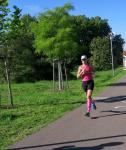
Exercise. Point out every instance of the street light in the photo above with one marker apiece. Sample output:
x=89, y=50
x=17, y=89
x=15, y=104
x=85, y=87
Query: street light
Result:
x=111, y=35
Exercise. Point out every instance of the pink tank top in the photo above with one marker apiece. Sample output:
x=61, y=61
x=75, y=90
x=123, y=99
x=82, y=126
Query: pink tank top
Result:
x=87, y=76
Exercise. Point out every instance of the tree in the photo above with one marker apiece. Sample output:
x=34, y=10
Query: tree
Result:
x=101, y=55
x=118, y=43
x=21, y=46
x=86, y=29
x=82, y=38
x=98, y=27
x=4, y=25
x=3, y=21
x=54, y=35
x=15, y=24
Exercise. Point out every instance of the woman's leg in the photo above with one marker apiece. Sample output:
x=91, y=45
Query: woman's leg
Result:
x=89, y=100
x=93, y=105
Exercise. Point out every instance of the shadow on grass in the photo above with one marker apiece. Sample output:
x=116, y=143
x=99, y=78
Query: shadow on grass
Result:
x=40, y=104
x=9, y=117
x=76, y=141
x=7, y=106
x=57, y=102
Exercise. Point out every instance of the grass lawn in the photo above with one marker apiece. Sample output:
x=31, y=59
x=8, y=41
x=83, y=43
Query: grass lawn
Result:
x=36, y=105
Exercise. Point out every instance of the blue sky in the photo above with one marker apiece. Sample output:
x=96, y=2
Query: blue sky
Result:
x=113, y=10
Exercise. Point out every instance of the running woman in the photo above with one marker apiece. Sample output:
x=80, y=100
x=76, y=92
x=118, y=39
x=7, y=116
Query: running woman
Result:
x=85, y=71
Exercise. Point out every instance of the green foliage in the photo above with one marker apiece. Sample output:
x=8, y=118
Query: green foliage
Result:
x=118, y=43
x=15, y=24
x=54, y=35
x=98, y=27
x=87, y=29
x=80, y=27
x=22, y=57
x=3, y=35
x=3, y=21
x=3, y=3
x=101, y=54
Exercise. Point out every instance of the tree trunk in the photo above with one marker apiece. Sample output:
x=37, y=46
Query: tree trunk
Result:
x=59, y=75
x=9, y=85
x=53, y=75
x=66, y=75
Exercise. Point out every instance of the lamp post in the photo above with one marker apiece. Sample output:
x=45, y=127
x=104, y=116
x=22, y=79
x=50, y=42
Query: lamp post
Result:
x=111, y=35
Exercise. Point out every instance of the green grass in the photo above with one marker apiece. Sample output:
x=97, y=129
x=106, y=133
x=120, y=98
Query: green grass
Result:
x=36, y=105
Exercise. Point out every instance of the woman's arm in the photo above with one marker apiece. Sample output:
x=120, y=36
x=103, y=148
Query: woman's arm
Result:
x=80, y=72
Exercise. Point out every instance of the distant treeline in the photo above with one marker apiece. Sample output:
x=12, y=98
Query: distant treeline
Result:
x=30, y=43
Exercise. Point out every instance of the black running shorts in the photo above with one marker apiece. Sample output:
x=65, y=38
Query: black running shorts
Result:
x=88, y=85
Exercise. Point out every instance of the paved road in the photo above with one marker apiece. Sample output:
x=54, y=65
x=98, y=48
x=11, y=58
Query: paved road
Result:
x=105, y=130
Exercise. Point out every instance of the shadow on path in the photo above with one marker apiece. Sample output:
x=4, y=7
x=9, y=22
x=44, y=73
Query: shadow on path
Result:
x=98, y=147
x=76, y=141
x=118, y=84
x=112, y=99
x=114, y=113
